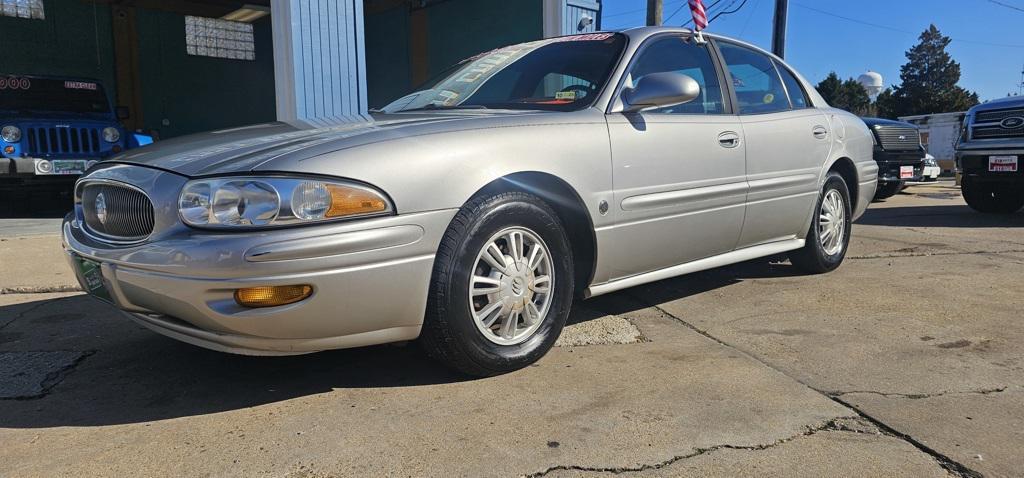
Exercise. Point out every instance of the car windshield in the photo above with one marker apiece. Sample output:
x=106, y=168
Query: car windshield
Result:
x=26, y=94
x=557, y=74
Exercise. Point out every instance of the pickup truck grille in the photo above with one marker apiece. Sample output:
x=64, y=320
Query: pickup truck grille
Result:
x=117, y=212
x=988, y=124
x=62, y=140
x=898, y=138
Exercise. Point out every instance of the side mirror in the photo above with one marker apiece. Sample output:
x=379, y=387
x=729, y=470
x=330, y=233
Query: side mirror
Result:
x=123, y=113
x=658, y=90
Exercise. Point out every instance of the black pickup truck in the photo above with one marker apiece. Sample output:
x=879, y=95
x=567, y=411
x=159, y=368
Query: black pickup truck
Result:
x=989, y=154
x=898, y=152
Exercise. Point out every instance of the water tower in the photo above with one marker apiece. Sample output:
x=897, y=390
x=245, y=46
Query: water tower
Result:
x=872, y=83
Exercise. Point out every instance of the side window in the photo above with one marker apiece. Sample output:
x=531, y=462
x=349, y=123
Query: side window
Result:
x=676, y=54
x=755, y=80
x=796, y=92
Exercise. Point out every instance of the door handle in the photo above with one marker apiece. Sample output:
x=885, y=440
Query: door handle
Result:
x=729, y=139
x=819, y=132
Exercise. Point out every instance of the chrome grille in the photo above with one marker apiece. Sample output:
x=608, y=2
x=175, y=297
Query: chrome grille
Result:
x=988, y=124
x=124, y=214
x=62, y=140
x=995, y=116
x=890, y=138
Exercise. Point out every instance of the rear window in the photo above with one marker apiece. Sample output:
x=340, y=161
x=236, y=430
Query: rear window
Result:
x=754, y=78
x=26, y=94
x=796, y=92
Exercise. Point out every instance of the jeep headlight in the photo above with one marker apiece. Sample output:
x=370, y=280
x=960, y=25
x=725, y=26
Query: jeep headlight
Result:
x=11, y=134
x=276, y=201
x=111, y=134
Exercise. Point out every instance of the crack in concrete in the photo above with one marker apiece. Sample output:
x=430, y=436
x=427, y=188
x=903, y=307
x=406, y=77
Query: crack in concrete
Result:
x=39, y=289
x=54, y=378
x=918, y=396
x=929, y=254
x=27, y=311
x=951, y=466
x=835, y=424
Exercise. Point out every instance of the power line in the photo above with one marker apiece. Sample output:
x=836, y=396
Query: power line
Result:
x=862, y=22
x=675, y=12
x=730, y=12
x=629, y=12
x=706, y=11
x=1007, y=5
x=753, y=11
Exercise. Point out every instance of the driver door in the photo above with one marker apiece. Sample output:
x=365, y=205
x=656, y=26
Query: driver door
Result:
x=679, y=172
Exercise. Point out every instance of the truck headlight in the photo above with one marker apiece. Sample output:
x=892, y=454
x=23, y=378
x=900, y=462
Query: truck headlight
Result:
x=276, y=201
x=11, y=134
x=111, y=134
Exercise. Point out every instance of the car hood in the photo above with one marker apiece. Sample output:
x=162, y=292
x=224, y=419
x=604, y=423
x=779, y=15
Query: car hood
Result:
x=272, y=146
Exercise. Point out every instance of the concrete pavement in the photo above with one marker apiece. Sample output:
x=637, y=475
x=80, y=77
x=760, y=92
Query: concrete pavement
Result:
x=904, y=362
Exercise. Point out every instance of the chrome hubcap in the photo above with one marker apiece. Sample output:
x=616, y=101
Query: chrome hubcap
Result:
x=510, y=289
x=832, y=222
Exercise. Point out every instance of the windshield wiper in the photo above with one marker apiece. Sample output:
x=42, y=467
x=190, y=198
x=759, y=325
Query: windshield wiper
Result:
x=433, y=107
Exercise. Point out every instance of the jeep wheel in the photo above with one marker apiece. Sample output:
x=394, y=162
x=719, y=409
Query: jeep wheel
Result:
x=999, y=198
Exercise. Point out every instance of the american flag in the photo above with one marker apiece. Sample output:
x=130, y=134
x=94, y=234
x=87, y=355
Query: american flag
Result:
x=700, y=17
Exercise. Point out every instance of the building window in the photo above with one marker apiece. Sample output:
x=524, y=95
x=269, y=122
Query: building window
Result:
x=22, y=9
x=218, y=38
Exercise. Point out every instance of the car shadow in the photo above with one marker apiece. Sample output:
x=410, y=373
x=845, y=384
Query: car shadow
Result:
x=131, y=375
x=938, y=216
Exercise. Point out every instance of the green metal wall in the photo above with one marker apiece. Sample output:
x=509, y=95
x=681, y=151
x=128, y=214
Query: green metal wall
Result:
x=74, y=40
x=456, y=29
x=198, y=93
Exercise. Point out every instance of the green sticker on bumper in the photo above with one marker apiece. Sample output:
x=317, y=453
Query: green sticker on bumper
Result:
x=92, y=275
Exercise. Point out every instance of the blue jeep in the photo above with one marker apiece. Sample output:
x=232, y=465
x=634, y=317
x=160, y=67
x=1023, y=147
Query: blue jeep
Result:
x=53, y=129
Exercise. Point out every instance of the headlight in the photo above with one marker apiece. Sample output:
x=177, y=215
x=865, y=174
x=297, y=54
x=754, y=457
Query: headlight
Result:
x=111, y=134
x=275, y=201
x=11, y=134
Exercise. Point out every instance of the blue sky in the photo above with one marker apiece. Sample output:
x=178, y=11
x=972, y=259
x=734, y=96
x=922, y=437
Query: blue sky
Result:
x=988, y=38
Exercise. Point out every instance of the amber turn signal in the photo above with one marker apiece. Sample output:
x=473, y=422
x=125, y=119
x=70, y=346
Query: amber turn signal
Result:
x=353, y=201
x=272, y=296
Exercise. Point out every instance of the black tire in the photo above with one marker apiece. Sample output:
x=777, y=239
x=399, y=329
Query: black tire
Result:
x=995, y=198
x=450, y=332
x=813, y=257
x=888, y=190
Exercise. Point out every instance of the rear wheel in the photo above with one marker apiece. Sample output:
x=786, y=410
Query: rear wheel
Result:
x=829, y=234
x=999, y=198
x=502, y=286
x=888, y=190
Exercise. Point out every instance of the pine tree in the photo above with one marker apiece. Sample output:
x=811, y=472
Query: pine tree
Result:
x=829, y=88
x=929, y=80
x=848, y=95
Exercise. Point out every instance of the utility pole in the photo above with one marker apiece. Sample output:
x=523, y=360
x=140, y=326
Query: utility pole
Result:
x=654, y=8
x=779, y=32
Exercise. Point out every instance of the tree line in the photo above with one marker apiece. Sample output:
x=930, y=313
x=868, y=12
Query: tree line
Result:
x=928, y=84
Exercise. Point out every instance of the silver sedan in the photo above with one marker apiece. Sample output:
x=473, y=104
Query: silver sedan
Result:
x=469, y=214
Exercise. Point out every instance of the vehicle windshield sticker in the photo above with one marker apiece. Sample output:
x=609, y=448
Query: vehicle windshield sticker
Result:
x=80, y=85
x=584, y=37
x=565, y=95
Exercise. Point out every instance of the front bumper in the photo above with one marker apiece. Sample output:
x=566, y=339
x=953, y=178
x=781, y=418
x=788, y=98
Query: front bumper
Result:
x=974, y=163
x=889, y=164
x=370, y=281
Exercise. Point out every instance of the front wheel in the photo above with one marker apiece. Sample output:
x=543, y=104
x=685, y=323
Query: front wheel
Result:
x=829, y=234
x=999, y=198
x=502, y=286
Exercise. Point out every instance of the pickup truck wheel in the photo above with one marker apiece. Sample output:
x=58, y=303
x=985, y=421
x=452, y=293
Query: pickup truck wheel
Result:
x=501, y=288
x=888, y=190
x=998, y=198
x=829, y=234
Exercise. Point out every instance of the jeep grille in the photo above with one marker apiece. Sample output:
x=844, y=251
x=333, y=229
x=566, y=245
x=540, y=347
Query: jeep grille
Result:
x=62, y=140
x=125, y=214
